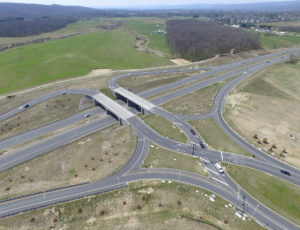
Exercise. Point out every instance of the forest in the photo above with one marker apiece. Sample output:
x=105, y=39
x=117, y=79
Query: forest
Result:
x=196, y=40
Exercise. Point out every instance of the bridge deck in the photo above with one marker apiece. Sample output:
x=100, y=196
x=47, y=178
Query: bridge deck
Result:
x=113, y=106
x=135, y=98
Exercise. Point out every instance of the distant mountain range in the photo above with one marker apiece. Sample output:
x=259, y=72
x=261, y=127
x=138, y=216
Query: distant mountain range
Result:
x=261, y=6
x=11, y=10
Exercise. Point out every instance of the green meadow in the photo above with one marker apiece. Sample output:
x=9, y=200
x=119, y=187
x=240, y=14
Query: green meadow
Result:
x=35, y=64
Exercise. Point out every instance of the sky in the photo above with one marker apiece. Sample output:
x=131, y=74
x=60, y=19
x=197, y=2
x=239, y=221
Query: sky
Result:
x=124, y=3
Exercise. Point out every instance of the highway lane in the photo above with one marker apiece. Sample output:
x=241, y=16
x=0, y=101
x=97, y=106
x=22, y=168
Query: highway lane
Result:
x=113, y=82
x=21, y=108
x=253, y=163
x=234, y=136
x=34, y=133
x=183, y=91
x=52, y=143
x=210, y=155
x=262, y=214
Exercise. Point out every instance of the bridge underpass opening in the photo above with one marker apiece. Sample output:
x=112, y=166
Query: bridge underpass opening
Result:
x=108, y=112
x=130, y=103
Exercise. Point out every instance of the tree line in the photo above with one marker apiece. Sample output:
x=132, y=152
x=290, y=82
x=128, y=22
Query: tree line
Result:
x=32, y=27
x=196, y=40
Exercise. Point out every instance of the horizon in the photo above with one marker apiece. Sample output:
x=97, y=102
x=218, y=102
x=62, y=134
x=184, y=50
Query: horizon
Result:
x=141, y=3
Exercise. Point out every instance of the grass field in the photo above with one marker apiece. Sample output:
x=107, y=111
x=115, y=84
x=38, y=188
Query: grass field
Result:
x=267, y=105
x=35, y=64
x=215, y=138
x=166, y=206
x=79, y=27
x=162, y=158
x=146, y=26
x=277, y=41
x=199, y=101
x=164, y=127
x=141, y=83
x=90, y=158
x=280, y=196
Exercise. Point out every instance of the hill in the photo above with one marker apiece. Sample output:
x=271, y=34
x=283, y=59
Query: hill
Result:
x=260, y=6
x=18, y=20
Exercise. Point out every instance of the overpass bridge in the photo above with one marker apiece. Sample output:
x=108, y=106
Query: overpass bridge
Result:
x=133, y=100
x=113, y=108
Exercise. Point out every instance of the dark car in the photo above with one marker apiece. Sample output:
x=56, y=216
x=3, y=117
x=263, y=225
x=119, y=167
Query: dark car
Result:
x=193, y=131
x=285, y=172
x=64, y=93
x=26, y=106
x=202, y=145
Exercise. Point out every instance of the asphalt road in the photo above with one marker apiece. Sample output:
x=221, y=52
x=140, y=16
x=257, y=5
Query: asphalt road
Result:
x=38, y=132
x=48, y=144
x=21, y=108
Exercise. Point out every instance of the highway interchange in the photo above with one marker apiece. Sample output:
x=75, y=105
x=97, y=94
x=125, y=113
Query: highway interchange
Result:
x=217, y=183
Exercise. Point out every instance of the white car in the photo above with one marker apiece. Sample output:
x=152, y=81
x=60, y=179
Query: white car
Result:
x=219, y=168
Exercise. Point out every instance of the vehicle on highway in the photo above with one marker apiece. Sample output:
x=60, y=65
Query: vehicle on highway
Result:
x=87, y=115
x=285, y=172
x=64, y=93
x=202, y=145
x=219, y=168
x=193, y=131
x=26, y=106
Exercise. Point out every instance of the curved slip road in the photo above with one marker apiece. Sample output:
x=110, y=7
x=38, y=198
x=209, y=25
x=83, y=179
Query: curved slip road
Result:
x=20, y=109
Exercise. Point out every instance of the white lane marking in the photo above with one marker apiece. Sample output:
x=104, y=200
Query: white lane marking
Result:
x=204, y=160
x=219, y=181
x=212, y=171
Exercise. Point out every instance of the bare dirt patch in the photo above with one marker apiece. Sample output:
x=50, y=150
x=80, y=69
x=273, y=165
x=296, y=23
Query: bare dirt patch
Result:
x=180, y=61
x=274, y=119
x=99, y=72
x=111, y=25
